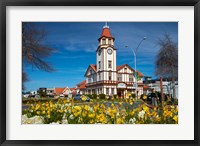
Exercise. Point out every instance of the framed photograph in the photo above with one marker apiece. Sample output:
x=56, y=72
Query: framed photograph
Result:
x=99, y=72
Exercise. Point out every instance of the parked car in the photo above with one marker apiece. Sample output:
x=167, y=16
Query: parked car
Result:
x=78, y=97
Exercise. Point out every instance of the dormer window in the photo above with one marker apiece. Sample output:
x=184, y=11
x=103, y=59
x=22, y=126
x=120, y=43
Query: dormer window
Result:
x=125, y=70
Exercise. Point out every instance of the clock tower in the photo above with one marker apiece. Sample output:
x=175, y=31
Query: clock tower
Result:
x=106, y=57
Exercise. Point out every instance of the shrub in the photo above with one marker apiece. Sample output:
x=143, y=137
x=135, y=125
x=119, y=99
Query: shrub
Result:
x=94, y=96
x=115, y=96
x=133, y=95
x=89, y=95
x=141, y=97
x=102, y=96
x=175, y=101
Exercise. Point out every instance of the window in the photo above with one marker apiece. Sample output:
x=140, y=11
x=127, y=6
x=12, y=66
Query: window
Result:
x=99, y=76
x=110, y=76
x=130, y=78
x=112, y=90
x=125, y=70
x=109, y=64
x=103, y=42
x=90, y=72
x=94, y=77
x=107, y=91
x=89, y=80
x=119, y=77
x=99, y=64
x=109, y=42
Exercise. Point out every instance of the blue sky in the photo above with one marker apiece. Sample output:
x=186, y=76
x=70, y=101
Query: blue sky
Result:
x=76, y=43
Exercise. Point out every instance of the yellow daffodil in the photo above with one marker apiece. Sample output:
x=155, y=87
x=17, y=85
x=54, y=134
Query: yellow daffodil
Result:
x=175, y=118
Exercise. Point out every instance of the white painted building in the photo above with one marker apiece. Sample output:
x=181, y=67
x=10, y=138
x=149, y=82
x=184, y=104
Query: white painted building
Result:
x=167, y=87
x=106, y=77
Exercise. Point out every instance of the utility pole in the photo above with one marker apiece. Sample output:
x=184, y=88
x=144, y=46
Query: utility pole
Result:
x=161, y=90
x=136, y=73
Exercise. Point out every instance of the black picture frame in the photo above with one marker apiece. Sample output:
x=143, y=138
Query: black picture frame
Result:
x=5, y=3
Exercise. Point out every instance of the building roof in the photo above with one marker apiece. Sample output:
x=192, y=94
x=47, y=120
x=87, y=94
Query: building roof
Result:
x=81, y=85
x=94, y=67
x=140, y=74
x=123, y=65
x=73, y=88
x=83, y=82
x=106, y=33
x=59, y=90
x=145, y=87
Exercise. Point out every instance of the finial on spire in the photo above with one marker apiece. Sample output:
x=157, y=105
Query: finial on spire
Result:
x=106, y=26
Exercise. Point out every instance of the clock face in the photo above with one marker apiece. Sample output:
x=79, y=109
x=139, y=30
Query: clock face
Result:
x=99, y=52
x=109, y=51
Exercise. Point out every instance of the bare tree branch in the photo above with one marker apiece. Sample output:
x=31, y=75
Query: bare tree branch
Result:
x=167, y=59
x=33, y=50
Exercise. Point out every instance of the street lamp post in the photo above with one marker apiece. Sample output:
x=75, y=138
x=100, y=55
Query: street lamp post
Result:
x=135, y=55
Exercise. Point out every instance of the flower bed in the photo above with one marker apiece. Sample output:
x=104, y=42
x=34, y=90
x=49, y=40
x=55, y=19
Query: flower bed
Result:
x=122, y=112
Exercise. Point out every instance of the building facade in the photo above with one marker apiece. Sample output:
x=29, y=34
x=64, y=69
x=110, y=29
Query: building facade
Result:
x=105, y=77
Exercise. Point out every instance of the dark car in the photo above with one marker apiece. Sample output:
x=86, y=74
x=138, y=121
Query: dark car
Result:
x=78, y=97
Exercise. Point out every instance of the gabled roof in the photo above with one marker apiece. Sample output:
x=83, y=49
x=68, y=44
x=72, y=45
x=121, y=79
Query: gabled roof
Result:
x=83, y=82
x=93, y=66
x=140, y=74
x=81, y=85
x=59, y=90
x=72, y=89
x=123, y=65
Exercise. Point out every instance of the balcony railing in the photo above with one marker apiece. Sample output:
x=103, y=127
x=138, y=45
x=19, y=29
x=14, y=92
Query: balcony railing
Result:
x=111, y=82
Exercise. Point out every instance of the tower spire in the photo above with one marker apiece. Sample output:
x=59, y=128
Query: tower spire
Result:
x=106, y=25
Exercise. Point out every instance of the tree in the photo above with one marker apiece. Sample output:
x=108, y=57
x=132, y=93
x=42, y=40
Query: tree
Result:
x=167, y=60
x=136, y=74
x=34, y=50
x=24, y=79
